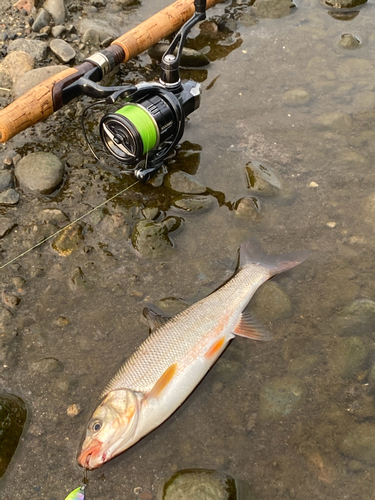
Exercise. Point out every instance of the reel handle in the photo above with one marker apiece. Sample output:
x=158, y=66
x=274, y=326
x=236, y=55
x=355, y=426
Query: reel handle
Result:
x=200, y=6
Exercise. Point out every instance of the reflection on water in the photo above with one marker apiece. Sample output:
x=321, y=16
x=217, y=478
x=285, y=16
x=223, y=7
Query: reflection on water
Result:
x=294, y=418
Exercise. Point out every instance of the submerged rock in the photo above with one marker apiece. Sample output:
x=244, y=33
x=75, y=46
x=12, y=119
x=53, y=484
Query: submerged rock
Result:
x=262, y=179
x=181, y=182
x=247, y=208
x=41, y=172
x=349, y=357
x=359, y=443
x=349, y=41
x=68, y=240
x=12, y=420
x=194, y=203
x=151, y=238
x=357, y=318
x=280, y=397
x=342, y=4
x=296, y=97
x=272, y=9
x=201, y=484
x=271, y=303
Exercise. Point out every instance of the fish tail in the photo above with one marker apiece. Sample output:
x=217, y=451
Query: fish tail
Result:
x=251, y=252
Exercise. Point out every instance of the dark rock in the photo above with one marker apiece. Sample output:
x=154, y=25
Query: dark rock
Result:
x=6, y=180
x=9, y=197
x=36, y=48
x=62, y=50
x=42, y=20
x=12, y=420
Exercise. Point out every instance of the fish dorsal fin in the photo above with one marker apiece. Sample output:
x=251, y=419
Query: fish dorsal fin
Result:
x=162, y=382
x=154, y=319
x=250, y=328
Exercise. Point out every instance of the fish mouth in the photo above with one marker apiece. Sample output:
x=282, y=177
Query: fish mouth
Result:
x=88, y=458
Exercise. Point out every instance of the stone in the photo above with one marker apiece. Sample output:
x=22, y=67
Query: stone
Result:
x=47, y=365
x=104, y=27
x=9, y=197
x=12, y=420
x=6, y=179
x=202, y=484
x=357, y=318
x=17, y=63
x=57, y=10
x=40, y=172
x=73, y=410
x=68, y=240
x=359, y=443
x=27, y=5
x=296, y=97
x=337, y=122
x=271, y=303
x=6, y=226
x=342, y=4
x=272, y=9
x=52, y=215
x=91, y=37
x=349, y=41
x=303, y=365
x=151, y=238
x=194, y=203
x=280, y=397
x=62, y=50
x=36, y=48
x=247, y=208
x=181, y=182
x=58, y=31
x=189, y=58
x=42, y=20
x=348, y=358
x=261, y=178
x=34, y=77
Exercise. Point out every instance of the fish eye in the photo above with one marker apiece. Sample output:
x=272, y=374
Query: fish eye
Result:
x=95, y=425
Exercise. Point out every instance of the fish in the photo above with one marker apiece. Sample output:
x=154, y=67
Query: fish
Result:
x=157, y=378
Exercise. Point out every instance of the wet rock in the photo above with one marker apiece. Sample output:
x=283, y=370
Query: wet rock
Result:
x=342, y=4
x=172, y=223
x=12, y=420
x=91, y=37
x=58, y=31
x=42, y=20
x=73, y=410
x=271, y=303
x=105, y=28
x=36, y=48
x=194, y=204
x=190, y=57
x=201, y=484
x=296, y=97
x=10, y=300
x=9, y=197
x=304, y=364
x=262, y=179
x=52, y=215
x=17, y=63
x=68, y=240
x=47, y=365
x=6, y=226
x=358, y=318
x=181, y=182
x=280, y=397
x=62, y=50
x=337, y=122
x=349, y=357
x=40, y=172
x=30, y=79
x=350, y=41
x=359, y=443
x=77, y=280
x=272, y=9
x=247, y=208
x=151, y=238
x=151, y=213
x=57, y=10
x=6, y=180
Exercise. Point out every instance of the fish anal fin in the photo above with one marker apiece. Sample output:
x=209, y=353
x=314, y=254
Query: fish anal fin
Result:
x=215, y=348
x=250, y=328
x=154, y=319
x=163, y=381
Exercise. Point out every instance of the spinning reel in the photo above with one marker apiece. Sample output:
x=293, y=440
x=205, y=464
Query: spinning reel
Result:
x=152, y=120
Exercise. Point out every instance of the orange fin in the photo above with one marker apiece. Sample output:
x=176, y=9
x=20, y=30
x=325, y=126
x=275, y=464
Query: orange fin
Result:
x=215, y=348
x=248, y=327
x=163, y=381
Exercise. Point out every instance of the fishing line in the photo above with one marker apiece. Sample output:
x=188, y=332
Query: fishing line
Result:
x=68, y=225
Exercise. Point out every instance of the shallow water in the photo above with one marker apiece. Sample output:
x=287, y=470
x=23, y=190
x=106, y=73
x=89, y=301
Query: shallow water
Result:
x=321, y=147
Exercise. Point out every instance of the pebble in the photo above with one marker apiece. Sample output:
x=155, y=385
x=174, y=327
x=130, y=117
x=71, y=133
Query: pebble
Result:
x=42, y=20
x=62, y=50
x=17, y=63
x=6, y=179
x=181, y=182
x=52, y=215
x=35, y=76
x=36, y=48
x=12, y=420
x=68, y=240
x=280, y=397
x=313, y=184
x=58, y=31
x=359, y=443
x=247, y=208
x=9, y=197
x=348, y=357
x=6, y=226
x=342, y=4
x=296, y=97
x=349, y=41
x=57, y=10
x=105, y=28
x=261, y=178
x=91, y=37
x=356, y=318
x=40, y=172
x=151, y=213
x=194, y=204
x=73, y=410
x=331, y=224
x=151, y=238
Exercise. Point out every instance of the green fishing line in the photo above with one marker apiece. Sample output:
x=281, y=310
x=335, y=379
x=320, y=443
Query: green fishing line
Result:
x=143, y=122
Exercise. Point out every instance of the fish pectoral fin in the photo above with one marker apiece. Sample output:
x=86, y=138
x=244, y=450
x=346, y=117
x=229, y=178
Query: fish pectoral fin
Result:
x=154, y=319
x=250, y=328
x=163, y=381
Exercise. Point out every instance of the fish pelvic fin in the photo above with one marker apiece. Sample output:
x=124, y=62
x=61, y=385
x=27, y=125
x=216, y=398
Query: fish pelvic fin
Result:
x=163, y=381
x=250, y=328
x=251, y=252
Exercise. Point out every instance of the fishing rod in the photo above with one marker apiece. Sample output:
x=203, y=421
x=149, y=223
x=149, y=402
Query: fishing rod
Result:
x=152, y=120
